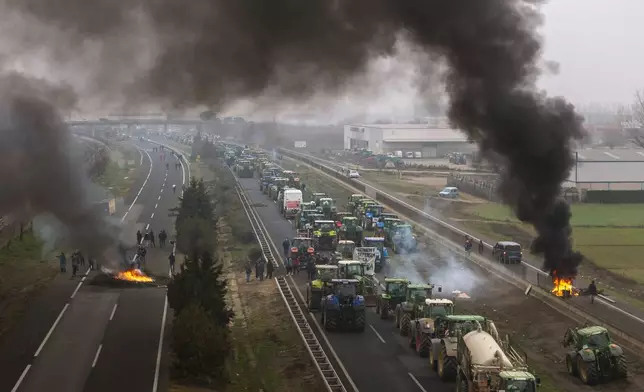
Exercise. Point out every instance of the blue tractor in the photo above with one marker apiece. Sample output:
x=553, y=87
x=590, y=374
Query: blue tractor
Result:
x=343, y=308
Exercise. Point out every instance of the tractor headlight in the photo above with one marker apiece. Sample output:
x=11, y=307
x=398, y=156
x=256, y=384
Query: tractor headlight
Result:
x=332, y=232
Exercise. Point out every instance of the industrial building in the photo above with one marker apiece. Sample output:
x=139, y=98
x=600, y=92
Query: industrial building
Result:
x=430, y=141
x=608, y=168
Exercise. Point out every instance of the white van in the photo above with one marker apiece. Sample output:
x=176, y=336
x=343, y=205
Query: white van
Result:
x=292, y=202
x=450, y=192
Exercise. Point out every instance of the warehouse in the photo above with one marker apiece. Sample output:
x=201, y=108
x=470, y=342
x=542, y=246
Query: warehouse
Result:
x=609, y=169
x=431, y=142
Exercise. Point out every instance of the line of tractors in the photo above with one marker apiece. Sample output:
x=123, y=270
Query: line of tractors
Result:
x=461, y=348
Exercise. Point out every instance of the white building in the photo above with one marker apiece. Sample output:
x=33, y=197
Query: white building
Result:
x=383, y=138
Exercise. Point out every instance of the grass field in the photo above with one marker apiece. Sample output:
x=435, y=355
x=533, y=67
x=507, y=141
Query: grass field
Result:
x=611, y=236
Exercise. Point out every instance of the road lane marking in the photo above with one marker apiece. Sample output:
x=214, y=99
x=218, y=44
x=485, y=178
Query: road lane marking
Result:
x=83, y=278
x=142, y=186
x=159, y=198
x=22, y=377
x=156, y=205
x=377, y=334
x=113, y=311
x=76, y=291
x=152, y=216
x=147, y=227
x=155, y=385
x=161, y=190
x=98, y=352
x=51, y=330
x=416, y=382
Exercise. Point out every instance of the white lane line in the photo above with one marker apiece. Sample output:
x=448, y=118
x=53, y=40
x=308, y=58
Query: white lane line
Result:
x=156, y=205
x=147, y=227
x=152, y=216
x=142, y=186
x=113, y=311
x=76, y=291
x=377, y=334
x=155, y=385
x=98, y=352
x=161, y=190
x=51, y=330
x=83, y=278
x=416, y=382
x=22, y=377
x=159, y=198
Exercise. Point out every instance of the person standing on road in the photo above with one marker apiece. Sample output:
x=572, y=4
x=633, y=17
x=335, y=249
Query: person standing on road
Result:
x=481, y=247
x=289, y=266
x=592, y=291
x=74, y=264
x=172, y=261
x=139, y=237
x=269, y=270
x=153, y=239
x=286, y=244
x=146, y=238
x=81, y=258
x=261, y=268
x=63, y=262
x=296, y=265
x=162, y=237
x=249, y=270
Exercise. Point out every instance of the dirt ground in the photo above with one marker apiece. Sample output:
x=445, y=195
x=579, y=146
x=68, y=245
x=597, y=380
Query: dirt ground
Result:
x=534, y=327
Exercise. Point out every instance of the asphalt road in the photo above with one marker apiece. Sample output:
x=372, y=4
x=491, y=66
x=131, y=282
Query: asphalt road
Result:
x=378, y=359
x=103, y=338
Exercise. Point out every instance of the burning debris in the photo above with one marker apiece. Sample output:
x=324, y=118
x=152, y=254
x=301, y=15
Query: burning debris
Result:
x=126, y=278
x=563, y=287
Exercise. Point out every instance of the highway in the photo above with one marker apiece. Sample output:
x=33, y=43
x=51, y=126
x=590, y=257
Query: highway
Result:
x=378, y=359
x=79, y=337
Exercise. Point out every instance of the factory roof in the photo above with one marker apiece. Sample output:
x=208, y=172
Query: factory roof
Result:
x=611, y=154
x=604, y=165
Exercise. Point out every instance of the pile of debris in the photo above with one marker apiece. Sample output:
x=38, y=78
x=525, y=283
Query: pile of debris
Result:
x=131, y=277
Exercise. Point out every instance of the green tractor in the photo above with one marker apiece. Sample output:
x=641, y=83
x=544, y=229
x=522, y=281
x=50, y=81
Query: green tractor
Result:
x=353, y=200
x=357, y=269
x=350, y=230
x=393, y=296
x=325, y=235
x=303, y=217
x=344, y=308
x=278, y=184
x=345, y=249
x=244, y=169
x=412, y=306
x=327, y=207
x=320, y=287
x=317, y=196
x=300, y=245
x=594, y=356
x=293, y=178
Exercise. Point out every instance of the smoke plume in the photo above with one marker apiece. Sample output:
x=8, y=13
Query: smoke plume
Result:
x=213, y=52
x=36, y=172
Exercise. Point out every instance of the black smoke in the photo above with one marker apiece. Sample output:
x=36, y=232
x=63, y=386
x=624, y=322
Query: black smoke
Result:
x=212, y=52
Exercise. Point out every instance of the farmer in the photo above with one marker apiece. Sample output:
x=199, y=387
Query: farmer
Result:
x=592, y=291
x=286, y=244
x=63, y=262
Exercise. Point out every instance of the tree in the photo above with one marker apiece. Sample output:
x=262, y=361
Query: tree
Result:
x=200, y=281
x=195, y=203
x=200, y=348
x=635, y=127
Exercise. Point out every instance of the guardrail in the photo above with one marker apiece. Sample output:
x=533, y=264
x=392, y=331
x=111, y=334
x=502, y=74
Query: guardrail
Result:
x=523, y=276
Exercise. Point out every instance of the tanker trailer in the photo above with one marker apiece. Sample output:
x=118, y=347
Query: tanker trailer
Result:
x=485, y=365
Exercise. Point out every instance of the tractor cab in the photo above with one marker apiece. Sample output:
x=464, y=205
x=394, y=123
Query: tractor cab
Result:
x=417, y=293
x=353, y=199
x=317, y=196
x=351, y=230
x=280, y=182
x=324, y=235
x=321, y=286
x=435, y=307
x=389, y=222
x=339, y=216
x=304, y=218
x=324, y=225
x=351, y=269
x=327, y=207
x=313, y=217
x=301, y=244
x=371, y=216
x=382, y=255
x=390, y=215
x=344, y=287
x=396, y=287
x=326, y=273
x=345, y=249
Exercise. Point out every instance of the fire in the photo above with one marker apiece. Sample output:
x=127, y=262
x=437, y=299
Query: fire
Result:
x=134, y=275
x=563, y=287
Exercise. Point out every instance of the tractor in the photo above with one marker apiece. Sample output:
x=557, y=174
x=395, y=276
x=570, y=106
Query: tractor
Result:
x=341, y=215
x=300, y=245
x=393, y=296
x=355, y=201
x=278, y=184
x=594, y=356
x=412, y=306
x=266, y=184
x=244, y=169
x=303, y=217
x=317, y=196
x=325, y=235
x=344, y=308
x=371, y=216
x=327, y=207
x=320, y=287
x=383, y=254
x=350, y=230
x=356, y=269
x=293, y=179
x=344, y=251
x=401, y=238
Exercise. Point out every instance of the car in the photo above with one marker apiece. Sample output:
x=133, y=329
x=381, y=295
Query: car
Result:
x=354, y=174
x=449, y=192
x=508, y=252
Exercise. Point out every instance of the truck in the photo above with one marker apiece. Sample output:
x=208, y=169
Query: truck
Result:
x=379, y=244
x=486, y=364
x=291, y=203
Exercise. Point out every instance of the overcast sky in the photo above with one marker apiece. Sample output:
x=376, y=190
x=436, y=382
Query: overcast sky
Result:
x=599, y=45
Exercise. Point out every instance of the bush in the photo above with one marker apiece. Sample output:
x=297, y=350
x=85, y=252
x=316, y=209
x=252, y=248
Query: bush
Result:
x=200, y=348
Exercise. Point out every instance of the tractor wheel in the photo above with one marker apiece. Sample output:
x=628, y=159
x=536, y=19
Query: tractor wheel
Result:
x=571, y=366
x=412, y=337
x=433, y=361
x=423, y=345
x=405, y=322
x=621, y=370
x=360, y=321
x=384, y=311
x=330, y=323
x=587, y=372
x=461, y=384
x=447, y=366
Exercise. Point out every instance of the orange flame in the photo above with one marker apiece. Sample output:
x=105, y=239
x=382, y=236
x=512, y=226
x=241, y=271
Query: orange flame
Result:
x=134, y=275
x=563, y=285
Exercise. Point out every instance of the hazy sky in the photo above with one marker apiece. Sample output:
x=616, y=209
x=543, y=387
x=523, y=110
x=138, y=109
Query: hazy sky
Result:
x=599, y=45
